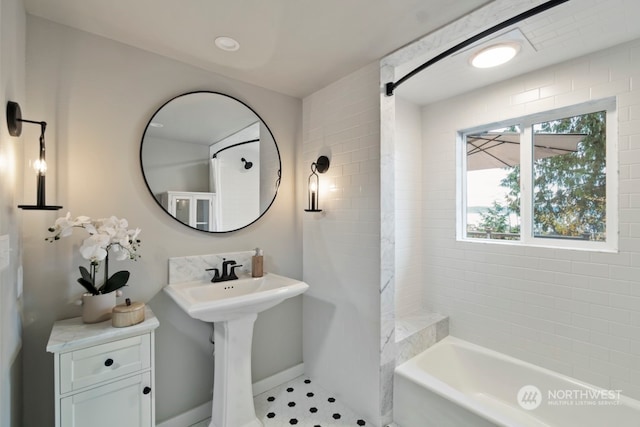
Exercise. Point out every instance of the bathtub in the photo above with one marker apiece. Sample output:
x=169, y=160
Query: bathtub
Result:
x=459, y=384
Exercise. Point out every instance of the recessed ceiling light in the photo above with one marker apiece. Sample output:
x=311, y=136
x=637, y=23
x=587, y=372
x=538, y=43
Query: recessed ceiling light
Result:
x=227, y=43
x=495, y=55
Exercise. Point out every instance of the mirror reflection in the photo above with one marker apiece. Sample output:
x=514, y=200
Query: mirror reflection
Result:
x=210, y=161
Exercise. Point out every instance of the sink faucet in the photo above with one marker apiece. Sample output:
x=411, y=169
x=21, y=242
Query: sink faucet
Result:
x=228, y=271
x=225, y=266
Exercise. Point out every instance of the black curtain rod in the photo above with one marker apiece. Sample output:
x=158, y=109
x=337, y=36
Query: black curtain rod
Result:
x=234, y=145
x=391, y=86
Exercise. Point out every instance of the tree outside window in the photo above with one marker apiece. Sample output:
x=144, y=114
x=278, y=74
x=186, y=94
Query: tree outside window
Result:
x=569, y=181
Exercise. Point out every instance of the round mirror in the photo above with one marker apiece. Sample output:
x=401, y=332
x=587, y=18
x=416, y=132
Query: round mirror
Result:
x=210, y=162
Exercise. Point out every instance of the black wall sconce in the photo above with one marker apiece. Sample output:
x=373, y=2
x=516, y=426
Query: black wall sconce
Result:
x=14, y=125
x=320, y=166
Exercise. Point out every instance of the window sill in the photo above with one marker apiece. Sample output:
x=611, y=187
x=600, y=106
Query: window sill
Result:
x=570, y=245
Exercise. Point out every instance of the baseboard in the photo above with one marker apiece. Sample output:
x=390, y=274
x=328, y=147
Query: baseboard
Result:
x=189, y=418
x=203, y=411
x=277, y=379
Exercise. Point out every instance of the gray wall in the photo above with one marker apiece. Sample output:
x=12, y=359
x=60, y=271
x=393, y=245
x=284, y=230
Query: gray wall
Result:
x=98, y=96
x=176, y=165
x=12, y=83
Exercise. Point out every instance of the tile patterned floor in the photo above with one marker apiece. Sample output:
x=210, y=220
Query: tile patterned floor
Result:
x=302, y=403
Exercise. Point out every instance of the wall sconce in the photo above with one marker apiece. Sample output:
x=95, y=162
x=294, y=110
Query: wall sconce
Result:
x=14, y=125
x=321, y=166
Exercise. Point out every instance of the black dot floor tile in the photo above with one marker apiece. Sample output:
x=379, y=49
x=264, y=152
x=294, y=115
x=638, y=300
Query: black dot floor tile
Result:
x=302, y=403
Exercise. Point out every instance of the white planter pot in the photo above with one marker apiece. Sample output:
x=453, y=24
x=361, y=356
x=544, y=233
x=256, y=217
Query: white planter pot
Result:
x=97, y=308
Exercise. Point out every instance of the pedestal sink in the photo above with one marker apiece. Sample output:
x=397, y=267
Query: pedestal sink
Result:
x=233, y=307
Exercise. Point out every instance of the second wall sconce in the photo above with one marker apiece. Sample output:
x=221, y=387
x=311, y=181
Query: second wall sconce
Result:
x=320, y=166
x=14, y=126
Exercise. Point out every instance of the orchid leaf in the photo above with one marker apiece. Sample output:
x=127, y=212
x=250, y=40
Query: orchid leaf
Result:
x=115, y=282
x=88, y=286
x=85, y=274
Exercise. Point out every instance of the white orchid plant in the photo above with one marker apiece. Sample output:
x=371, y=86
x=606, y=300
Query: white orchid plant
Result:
x=105, y=235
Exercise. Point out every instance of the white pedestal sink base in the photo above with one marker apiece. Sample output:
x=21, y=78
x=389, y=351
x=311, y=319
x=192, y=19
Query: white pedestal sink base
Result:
x=232, y=387
x=233, y=308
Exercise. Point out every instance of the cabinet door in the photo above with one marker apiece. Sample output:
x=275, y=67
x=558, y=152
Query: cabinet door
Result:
x=182, y=208
x=203, y=213
x=124, y=403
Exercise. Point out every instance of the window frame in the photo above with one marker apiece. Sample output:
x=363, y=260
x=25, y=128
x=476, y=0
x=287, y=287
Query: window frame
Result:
x=609, y=105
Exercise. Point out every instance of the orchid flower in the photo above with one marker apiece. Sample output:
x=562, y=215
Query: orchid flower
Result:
x=105, y=235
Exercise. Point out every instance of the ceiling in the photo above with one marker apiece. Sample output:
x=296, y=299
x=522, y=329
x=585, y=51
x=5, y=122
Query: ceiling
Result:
x=293, y=47
x=570, y=30
x=296, y=47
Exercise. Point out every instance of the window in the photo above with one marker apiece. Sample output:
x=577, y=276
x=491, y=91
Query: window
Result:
x=548, y=179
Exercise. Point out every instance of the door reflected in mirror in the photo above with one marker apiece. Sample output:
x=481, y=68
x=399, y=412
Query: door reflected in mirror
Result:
x=210, y=162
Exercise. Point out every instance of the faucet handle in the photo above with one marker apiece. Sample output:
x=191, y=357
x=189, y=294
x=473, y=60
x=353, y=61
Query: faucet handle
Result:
x=232, y=273
x=216, y=274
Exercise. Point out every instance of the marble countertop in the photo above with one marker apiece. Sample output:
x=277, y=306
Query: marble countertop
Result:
x=71, y=334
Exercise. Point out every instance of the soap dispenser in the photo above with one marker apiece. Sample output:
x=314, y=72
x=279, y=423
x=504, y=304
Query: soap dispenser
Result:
x=257, y=264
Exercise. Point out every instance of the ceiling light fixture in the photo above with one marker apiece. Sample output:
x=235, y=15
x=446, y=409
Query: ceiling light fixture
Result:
x=495, y=55
x=227, y=43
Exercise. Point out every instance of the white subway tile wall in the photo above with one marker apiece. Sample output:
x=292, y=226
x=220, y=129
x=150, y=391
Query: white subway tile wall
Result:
x=575, y=312
x=341, y=260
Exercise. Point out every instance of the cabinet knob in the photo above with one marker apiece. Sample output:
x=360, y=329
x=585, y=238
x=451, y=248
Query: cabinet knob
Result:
x=108, y=362
x=146, y=390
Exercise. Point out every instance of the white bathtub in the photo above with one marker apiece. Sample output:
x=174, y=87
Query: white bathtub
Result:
x=459, y=384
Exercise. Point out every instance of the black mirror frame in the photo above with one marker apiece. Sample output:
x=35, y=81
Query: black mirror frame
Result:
x=278, y=181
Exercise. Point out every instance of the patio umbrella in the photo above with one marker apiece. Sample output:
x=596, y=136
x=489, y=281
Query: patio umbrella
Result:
x=498, y=150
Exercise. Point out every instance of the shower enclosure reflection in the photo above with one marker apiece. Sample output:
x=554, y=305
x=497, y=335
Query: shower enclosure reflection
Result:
x=210, y=162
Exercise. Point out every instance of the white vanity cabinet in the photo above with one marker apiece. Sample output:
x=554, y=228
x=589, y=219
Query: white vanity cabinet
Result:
x=192, y=208
x=104, y=376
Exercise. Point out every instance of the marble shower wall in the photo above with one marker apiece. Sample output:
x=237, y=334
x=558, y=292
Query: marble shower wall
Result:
x=387, y=250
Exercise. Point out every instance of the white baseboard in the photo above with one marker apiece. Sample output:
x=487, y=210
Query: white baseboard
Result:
x=202, y=412
x=189, y=418
x=268, y=383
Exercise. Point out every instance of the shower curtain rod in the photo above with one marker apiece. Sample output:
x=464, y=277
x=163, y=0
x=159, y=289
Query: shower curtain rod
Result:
x=234, y=145
x=391, y=86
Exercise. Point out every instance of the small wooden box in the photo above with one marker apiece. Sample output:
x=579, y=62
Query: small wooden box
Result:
x=128, y=314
